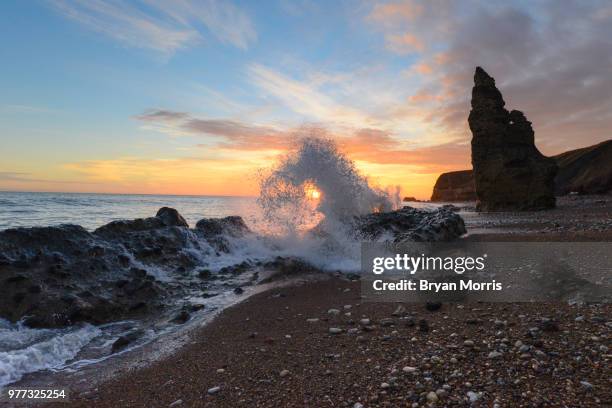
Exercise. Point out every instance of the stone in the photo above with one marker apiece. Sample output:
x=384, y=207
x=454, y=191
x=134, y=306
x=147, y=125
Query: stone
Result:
x=411, y=225
x=335, y=330
x=171, y=217
x=214, y=390
x=494, y=354
x=123, y=341
x=510, y=174
x=176, y=403
x=284, y=373
x=432, y=397
x=473, y=396
x=232, y=226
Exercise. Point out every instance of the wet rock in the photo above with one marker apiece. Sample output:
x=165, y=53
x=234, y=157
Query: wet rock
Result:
x=233, y=226
x=125, y=340
x=509, y=171
x=182, y=317
x=238, y=290
x=433, y=306
x=411, y=224
x=171, y=218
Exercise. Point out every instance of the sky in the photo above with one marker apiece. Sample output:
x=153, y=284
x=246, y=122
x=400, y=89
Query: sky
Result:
x=196, y=97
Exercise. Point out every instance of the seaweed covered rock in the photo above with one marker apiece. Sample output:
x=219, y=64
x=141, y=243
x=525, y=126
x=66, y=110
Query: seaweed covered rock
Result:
x=509, y=172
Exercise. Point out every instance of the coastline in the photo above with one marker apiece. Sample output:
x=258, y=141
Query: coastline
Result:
x=350, y=368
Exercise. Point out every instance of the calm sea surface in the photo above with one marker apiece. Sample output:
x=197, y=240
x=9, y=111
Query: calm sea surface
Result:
x=94, y=210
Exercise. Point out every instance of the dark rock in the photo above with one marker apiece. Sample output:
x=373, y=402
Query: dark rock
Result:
x=171, y=217
x=182, y=317
x=509, y=171
x=233, y=226
x=433, y=306
x=411, y=224
x=123, y=341
x=455, y=186
x=549, y=326
x=423, y=325
x=238, y=291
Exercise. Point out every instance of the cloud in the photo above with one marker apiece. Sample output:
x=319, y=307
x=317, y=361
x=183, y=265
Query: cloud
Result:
x=551, y=60
x=404, y=43
x=364, y=144
x=162, y=26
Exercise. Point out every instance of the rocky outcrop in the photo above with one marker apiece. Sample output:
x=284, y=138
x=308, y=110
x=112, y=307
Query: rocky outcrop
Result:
x=455, y=186
x=585, y=171
x=411, y=224
x=509, y=171
x=58, y=276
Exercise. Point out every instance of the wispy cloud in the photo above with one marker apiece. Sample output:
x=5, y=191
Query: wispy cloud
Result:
x=162, y=26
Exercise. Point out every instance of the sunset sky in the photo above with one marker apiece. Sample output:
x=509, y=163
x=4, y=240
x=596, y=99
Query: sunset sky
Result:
x=193, y=97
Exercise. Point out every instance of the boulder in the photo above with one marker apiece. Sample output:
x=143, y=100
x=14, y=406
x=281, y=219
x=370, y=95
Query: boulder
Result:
x=165, y=217
x=411, y=224
x=455, y=186
x=233, y=226
x=510, y=174
x=171, y=218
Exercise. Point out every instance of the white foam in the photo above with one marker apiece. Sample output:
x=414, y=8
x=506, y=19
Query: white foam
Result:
x=58, y=347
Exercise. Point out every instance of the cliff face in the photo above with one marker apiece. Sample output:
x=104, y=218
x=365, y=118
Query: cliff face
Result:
x=586, y=171
x=455, y=186
x=510, y=173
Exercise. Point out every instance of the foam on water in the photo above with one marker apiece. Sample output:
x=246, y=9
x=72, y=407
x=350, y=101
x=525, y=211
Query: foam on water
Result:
x=40, y=349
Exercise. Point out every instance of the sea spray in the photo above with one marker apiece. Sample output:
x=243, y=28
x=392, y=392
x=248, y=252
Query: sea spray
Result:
x=309, y=200
x=316, y=165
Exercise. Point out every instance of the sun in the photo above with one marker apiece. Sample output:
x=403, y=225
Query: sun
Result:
x=311, y=191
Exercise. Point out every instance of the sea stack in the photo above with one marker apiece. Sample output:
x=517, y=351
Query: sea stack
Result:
x=510, y=173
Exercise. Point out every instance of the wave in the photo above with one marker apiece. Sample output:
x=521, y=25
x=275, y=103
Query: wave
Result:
x=51, y=353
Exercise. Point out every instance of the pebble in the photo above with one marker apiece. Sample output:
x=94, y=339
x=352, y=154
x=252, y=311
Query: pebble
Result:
x=453, y=360
x=333, y=312
x=432, y=397
x=358, y=405
x=468, y=343
x=384, y=385
x=220, y=371
x=335, y=330
x=176, y=403
x=365, y=322
x=495, y=354
x=214, y=390
x=587, y=385
x=473, y=396
x=409, y=369
x=314, y=320
x=284, y=373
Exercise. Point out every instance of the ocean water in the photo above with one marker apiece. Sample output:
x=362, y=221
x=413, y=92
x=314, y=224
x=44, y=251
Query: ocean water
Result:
x=91, y=211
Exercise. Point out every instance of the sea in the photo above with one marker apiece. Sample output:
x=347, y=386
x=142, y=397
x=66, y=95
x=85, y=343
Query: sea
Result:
x=90, y=210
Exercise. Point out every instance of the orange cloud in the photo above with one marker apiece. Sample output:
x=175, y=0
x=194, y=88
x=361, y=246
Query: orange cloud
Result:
x=404, y=43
